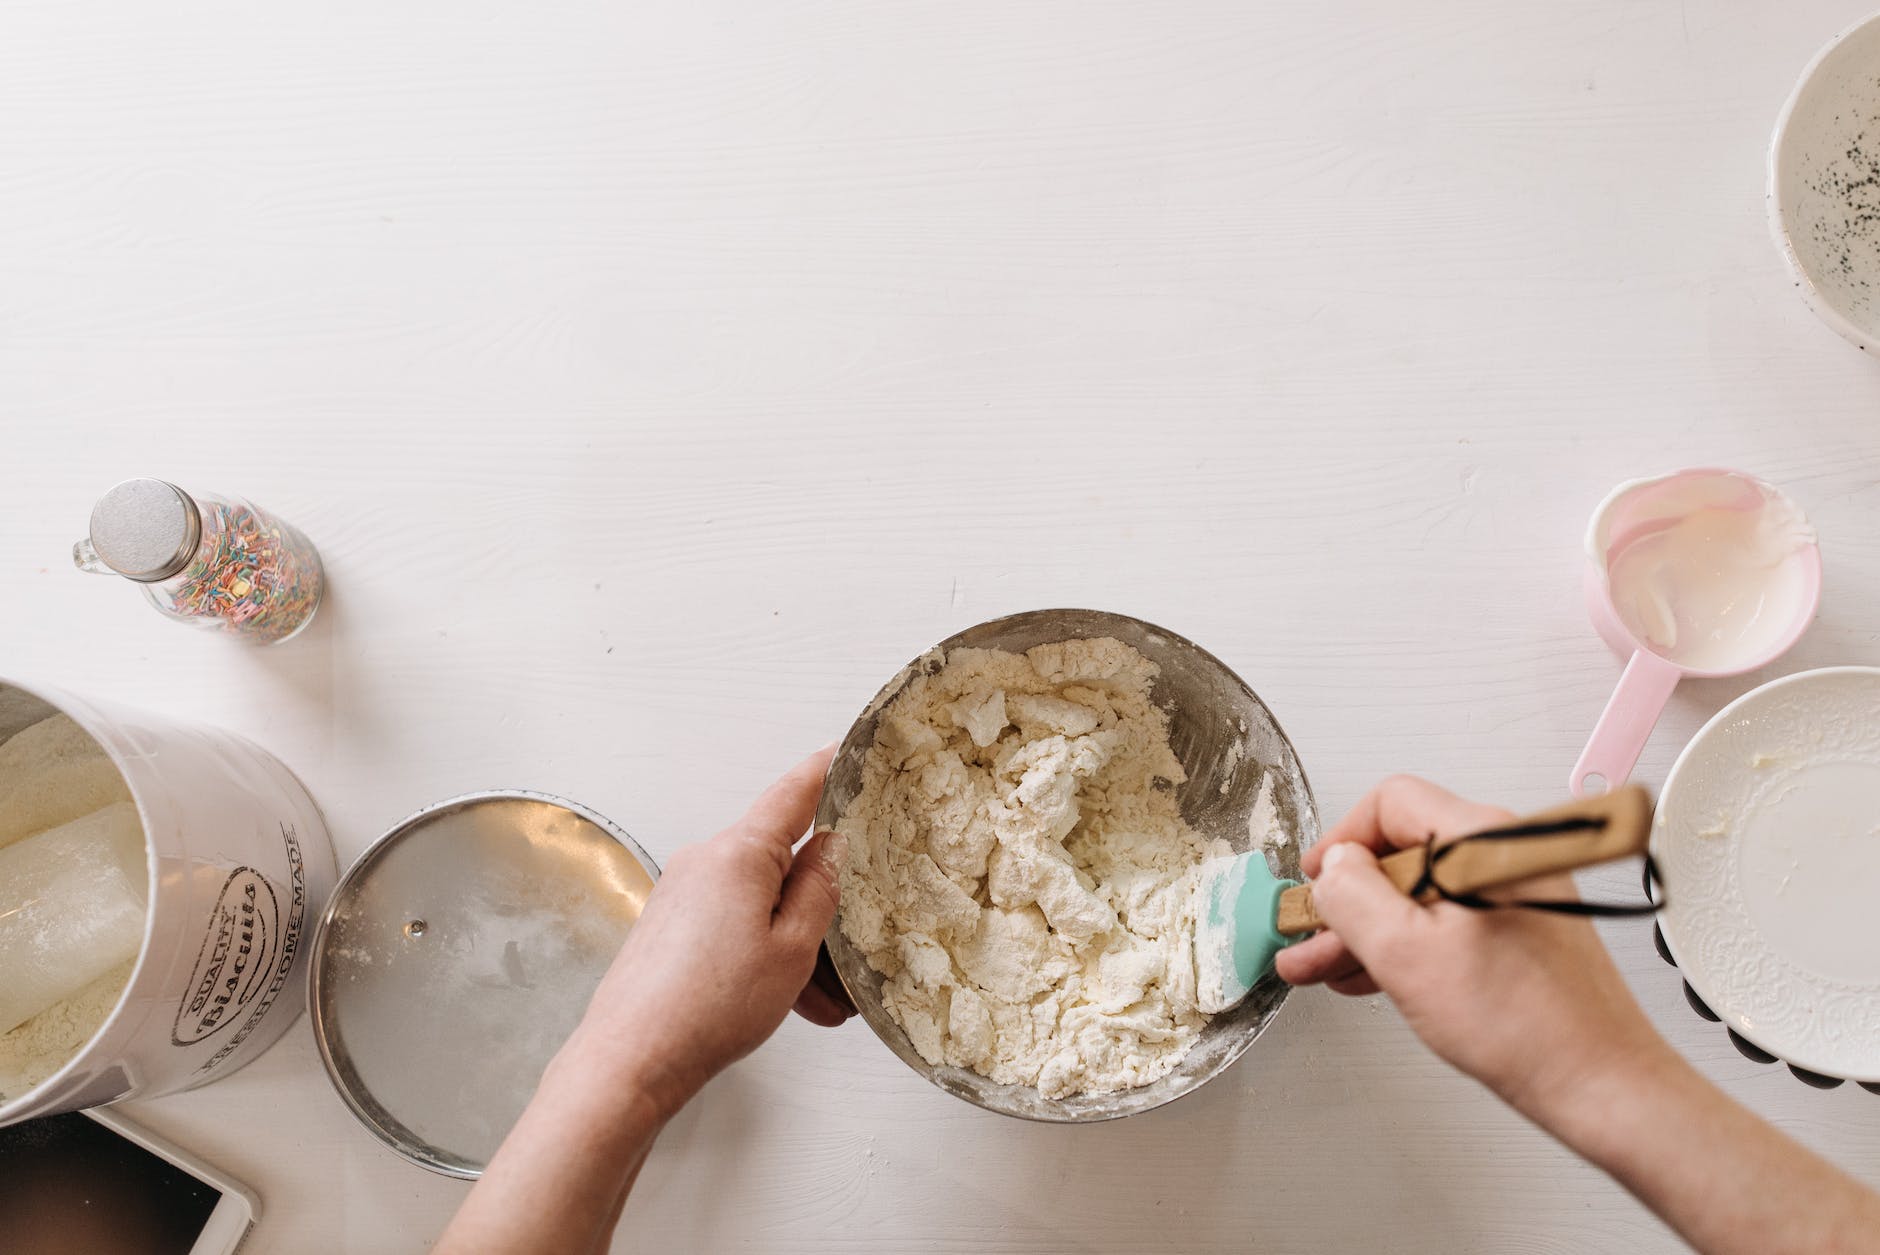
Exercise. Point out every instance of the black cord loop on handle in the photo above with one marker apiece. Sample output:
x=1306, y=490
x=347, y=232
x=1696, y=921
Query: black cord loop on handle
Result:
x=1434, y=854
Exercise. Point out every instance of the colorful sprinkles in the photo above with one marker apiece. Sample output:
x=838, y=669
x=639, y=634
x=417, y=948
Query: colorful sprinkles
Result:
x=252, y=575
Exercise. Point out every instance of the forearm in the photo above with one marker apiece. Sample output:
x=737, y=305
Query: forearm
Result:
x=1726, y=1181
x=562, y=1176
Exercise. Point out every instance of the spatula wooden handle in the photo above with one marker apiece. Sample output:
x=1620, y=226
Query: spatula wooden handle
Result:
x=1480, y=865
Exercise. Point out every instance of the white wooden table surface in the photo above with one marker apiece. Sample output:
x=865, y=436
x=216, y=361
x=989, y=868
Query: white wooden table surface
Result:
x=656, y=379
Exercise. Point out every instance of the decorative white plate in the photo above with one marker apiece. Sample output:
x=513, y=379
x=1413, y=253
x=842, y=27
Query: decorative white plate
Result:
x=1768, y=845
x=1824, y=183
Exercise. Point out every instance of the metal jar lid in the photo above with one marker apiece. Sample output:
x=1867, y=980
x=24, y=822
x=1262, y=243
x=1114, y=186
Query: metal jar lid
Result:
x=145, y=529
x=456, y=956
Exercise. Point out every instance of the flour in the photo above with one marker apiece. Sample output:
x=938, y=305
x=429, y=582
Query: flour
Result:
x=51, y=773
x=1020, y=874
x=1265, y=831
x=42, y=1045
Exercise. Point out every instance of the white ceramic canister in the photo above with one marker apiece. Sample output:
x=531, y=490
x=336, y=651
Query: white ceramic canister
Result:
x=239, y=865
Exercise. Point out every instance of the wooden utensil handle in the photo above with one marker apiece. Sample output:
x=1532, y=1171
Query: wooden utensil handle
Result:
x=1480, y=865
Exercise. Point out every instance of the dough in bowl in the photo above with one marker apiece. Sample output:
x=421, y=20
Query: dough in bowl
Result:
x=1020, y=874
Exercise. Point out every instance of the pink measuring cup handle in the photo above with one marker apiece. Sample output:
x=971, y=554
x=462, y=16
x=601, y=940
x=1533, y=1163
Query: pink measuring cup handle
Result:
x=1626, y=723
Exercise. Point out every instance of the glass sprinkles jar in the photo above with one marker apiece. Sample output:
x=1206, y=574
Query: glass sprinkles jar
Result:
x=218, y=562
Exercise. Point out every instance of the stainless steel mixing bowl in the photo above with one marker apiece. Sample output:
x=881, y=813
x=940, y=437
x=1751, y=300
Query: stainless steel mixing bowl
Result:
x=1210, y=710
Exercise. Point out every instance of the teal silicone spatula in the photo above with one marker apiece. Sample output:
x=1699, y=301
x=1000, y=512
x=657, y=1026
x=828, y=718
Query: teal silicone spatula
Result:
x=1245, y=915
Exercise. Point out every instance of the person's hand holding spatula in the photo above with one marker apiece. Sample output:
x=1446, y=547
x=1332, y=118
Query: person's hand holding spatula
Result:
x=1530, y=1004
x=1472, y=983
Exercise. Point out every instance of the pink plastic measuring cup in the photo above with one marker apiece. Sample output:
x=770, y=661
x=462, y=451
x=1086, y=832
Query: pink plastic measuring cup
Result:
x=1717, y=573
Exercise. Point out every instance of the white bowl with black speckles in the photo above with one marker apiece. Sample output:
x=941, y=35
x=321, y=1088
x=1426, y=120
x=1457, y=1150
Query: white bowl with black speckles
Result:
x=1824, y=183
